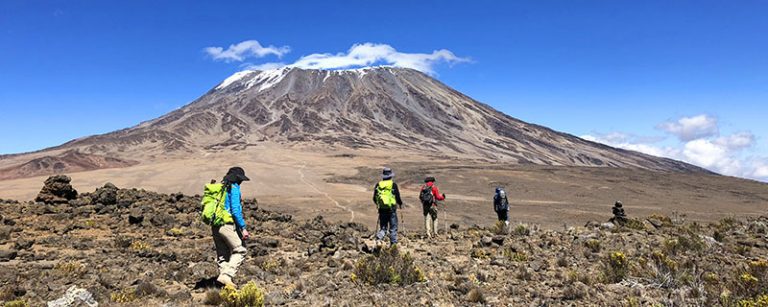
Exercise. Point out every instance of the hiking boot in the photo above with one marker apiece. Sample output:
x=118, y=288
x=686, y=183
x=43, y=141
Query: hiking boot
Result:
x=226, y=280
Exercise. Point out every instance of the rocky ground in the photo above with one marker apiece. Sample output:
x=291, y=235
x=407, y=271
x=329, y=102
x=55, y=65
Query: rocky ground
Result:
x=138, y=248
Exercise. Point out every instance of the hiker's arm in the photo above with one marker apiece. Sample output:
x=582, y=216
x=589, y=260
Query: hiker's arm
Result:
x=436, y=192
x=396, y=192
x=375, y=191
x=236, y=207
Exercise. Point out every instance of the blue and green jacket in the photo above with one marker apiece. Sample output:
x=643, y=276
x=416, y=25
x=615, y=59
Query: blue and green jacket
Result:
x=233, y=206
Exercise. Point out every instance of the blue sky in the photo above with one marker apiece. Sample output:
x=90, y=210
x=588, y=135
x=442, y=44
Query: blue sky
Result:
x=636, y=74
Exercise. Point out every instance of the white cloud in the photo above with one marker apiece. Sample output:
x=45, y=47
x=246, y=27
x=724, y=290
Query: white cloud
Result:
x=704, y=152
x=691, y=128
x=721, y=154
x=265, y=66
x=367, y=54
x=631, y=142
x=761, y=169
x=737, y=141
x=245, y=49
x=359, y=55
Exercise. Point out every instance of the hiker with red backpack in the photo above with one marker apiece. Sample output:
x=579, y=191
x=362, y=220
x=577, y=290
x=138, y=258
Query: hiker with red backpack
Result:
x=222, y=210
x=386, y=196
x=429, y=197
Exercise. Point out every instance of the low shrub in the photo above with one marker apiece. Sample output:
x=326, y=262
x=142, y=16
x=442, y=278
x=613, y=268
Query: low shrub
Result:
x=759, y=301
x=138, y=245
x=249, y=296
x=615, y=267
x=521, y=230
x=69, y=269
x=388, y=266
x=499, y=228
x=593, y=245
x=16, y=303
x=124, y=296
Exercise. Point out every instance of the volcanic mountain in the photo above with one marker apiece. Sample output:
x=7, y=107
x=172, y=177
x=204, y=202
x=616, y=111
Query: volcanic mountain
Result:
x=376, y=108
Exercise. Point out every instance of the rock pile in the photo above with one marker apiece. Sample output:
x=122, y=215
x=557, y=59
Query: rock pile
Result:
x=56, y=190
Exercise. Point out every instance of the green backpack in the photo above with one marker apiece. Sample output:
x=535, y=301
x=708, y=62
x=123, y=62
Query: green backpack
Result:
x=386, y=199
x=214, y=213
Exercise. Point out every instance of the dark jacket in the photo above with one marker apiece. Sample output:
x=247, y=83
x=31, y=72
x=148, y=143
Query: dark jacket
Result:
x=500, y=204
x=618, y=211
x=395, y=192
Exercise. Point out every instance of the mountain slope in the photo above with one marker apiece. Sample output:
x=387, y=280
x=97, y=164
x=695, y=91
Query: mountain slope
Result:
x=364, y=108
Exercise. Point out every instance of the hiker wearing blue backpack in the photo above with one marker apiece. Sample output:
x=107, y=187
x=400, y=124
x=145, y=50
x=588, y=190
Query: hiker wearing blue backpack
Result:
x=222, y=210
x=386, y=196
x=501, y=206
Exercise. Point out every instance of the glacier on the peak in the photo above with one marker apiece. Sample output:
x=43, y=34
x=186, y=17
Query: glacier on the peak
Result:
x=267, y=78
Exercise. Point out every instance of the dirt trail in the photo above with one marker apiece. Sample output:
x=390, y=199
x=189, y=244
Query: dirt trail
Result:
x=325, y=194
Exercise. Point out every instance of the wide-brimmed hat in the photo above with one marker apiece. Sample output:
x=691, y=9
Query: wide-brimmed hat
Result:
x=618, y=204
x=387, y=173
x=236, y=174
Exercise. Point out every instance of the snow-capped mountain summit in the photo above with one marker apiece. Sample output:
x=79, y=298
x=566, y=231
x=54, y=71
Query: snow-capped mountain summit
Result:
x=379, y=107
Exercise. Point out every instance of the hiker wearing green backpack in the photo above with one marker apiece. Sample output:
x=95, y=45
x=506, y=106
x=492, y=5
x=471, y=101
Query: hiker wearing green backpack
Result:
x=222, y=210
x=386, y=196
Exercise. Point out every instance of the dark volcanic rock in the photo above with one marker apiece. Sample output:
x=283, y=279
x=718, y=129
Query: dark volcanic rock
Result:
x=106, y=195
x=135, y=216
x=7, y=255
x=57, y=190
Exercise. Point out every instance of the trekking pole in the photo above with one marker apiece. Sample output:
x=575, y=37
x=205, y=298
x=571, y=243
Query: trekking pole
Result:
x=445, y=218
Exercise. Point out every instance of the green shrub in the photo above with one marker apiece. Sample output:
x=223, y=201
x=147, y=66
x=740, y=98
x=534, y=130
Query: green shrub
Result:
x=521, y=230
x=16, y=303
x=499, y=228
x=388, y=266
x=124, y=296
x=727, y=224
x=249, y=296
x=593, y=245
x=69, y=269
x=759, y=301
x=138, y=245
x=634, y=224
x=615, y=267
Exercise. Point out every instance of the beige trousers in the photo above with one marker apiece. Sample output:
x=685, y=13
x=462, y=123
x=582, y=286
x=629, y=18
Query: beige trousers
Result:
x=230, y=251
x=430, y=220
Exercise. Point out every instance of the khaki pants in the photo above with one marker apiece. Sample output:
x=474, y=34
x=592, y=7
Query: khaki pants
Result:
x=230, y=251
x=430, y=220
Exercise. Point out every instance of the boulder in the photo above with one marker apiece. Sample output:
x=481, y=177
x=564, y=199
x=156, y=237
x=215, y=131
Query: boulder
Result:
x=8, y=255
x=57, y=190
x=106, y=195
x=135, y=216
x=655, y=222
x=486, y=241
x=498, y=240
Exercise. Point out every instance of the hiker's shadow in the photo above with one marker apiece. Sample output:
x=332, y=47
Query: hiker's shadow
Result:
x=206, y=283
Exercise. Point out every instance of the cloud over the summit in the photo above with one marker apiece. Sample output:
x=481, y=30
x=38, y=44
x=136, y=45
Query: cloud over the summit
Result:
x=359, y=55
x=367, y=54
x=243, y=50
